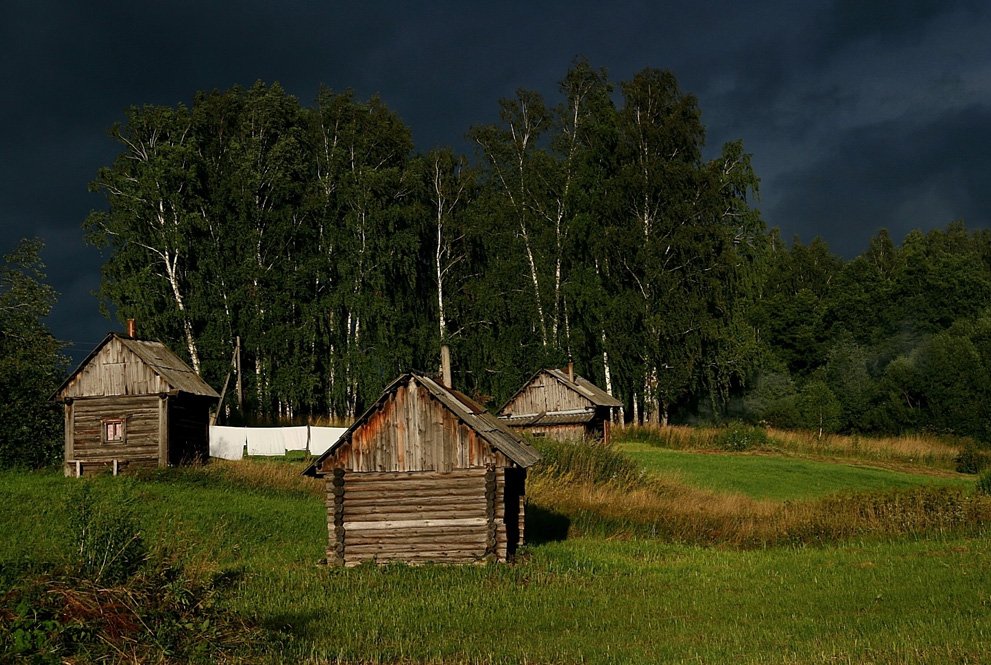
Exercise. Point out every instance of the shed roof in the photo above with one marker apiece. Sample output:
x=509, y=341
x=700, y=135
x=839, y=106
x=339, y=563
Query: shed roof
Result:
x=554, y=418
x=173, y=370
x=490, y=428
x=580, y=385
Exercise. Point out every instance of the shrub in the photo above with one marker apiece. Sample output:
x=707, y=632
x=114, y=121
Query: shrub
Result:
x=161, y=614
x=739, y=437
x=972, y=459
x=984, y=483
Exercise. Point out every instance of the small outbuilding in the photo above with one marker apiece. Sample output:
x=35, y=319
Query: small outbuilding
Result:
x=559, y=404
x=425, y=474
x=134, y=403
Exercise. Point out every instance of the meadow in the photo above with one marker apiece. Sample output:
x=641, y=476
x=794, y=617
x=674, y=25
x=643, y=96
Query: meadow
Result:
x=638, y=554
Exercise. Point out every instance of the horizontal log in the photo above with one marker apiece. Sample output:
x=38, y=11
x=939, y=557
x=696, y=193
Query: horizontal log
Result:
x=412, y=516
x=455, y=549
x=446, y=542
x=434, y=528
x=395, y=494
x=432, y=534
x=420, y=485
x=372, y=476
x=415, y=524
x=418, y=557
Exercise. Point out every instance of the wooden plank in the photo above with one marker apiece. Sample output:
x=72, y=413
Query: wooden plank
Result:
x=447, y=514
x=476, y=550
x=414, y=524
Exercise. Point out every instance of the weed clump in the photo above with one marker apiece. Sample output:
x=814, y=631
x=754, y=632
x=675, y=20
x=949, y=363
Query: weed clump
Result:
x=972, y=459
x=107, y=545
x=984, y=483
x=112, y=598
x=738, y=437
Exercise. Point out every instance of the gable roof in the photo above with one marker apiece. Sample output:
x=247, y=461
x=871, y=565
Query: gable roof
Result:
x=160, y=359
x=486, y=425
x=580, y=385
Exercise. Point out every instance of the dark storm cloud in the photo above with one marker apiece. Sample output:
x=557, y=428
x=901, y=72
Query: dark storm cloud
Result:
x=897, y=175
x=859, y=115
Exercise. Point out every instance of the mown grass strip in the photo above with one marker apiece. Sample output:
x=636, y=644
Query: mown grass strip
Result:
x=764, y=476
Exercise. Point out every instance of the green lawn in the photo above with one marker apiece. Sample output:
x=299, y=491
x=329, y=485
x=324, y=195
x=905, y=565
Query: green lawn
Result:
x=582, y=600
x=763, y=476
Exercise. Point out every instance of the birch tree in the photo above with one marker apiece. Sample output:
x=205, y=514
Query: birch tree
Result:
x=153, y=215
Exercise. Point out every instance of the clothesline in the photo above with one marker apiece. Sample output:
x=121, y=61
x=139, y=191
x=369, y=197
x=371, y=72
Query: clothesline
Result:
x=231, y=442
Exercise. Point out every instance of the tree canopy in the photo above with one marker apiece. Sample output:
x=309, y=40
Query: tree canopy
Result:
x=31, y=362
x=595, y=226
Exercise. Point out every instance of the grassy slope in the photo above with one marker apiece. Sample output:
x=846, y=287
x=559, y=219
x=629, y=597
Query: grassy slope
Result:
x=772, y=477
x=597, y=600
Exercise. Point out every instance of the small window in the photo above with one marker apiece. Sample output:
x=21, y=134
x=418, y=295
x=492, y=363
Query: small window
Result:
x=114, y=430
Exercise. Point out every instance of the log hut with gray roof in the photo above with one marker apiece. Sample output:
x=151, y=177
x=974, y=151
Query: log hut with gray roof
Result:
x=134, y=403
x=559, y=404
x=426, y=474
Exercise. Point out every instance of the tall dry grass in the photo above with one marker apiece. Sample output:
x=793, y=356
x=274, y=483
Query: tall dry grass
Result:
x=914, y=449
x=265, y=475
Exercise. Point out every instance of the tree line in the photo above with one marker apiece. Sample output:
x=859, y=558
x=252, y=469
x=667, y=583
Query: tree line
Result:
x=591, y=227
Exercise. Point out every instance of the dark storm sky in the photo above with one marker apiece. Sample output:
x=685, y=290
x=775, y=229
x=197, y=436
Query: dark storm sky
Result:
x=859, y=115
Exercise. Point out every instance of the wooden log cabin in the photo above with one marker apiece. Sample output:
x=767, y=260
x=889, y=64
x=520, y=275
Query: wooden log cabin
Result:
x=559, y=404
x=134, y=403
x=426, y=474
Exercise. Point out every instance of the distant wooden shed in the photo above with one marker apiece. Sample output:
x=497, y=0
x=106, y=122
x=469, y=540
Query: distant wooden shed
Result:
x=134, y=403
x=559, y=404
x=426, y=474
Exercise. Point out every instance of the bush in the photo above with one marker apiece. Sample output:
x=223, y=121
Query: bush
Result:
x=984, y=483
x=738, y=437
x=972, y=459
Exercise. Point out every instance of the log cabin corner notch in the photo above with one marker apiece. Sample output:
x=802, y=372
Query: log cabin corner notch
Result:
x=559, y=404
x=425, y=474
x=133, y=403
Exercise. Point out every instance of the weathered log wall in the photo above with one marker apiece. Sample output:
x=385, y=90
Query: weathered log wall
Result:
x=142, y=421
x=457, y=516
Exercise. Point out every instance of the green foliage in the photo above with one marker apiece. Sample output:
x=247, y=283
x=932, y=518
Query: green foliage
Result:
x=738, y=437
x=983, y=485
x=340, y=258
x=973, y=459
x=160, y=614
x=106, y=542
x=31, y=363
x=609, y=591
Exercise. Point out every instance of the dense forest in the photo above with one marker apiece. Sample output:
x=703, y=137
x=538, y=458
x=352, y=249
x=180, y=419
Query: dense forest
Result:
x=591, y=227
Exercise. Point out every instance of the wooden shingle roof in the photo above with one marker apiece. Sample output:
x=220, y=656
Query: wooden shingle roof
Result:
x=166, y=364
x=580, y=385
x=486, y=425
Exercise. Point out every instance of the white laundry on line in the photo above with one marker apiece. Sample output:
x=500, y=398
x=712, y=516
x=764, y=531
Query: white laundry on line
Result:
x=296, y=438
x=266, y=441
x=227, y=442
x=322, y=438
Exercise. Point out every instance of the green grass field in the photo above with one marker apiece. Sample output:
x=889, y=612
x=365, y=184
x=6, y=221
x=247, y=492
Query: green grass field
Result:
x=601, y=599
x=765, y=476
